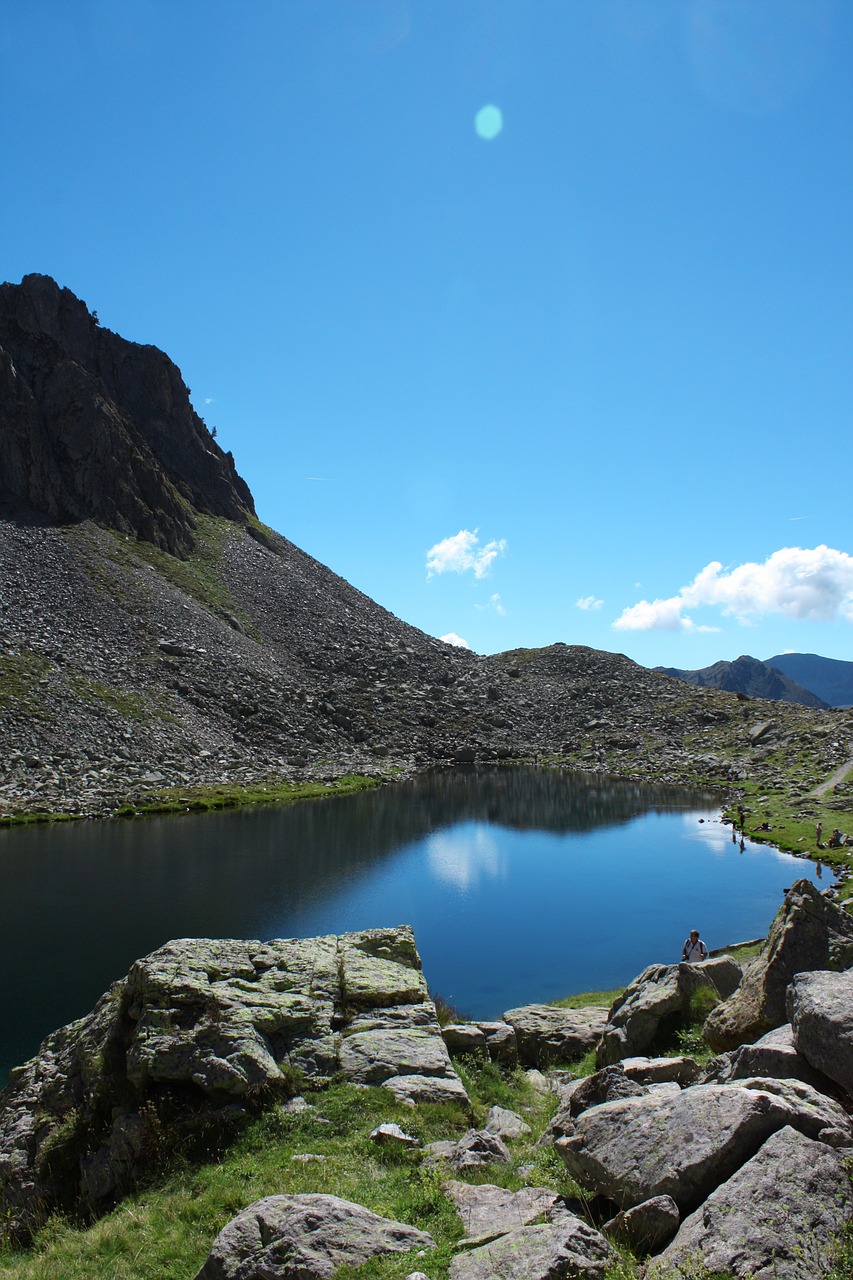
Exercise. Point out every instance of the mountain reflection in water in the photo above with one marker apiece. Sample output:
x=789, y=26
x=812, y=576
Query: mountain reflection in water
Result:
x=522, y=884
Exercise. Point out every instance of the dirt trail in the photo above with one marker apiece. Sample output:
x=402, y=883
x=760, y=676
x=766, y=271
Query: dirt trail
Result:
x=833, y=780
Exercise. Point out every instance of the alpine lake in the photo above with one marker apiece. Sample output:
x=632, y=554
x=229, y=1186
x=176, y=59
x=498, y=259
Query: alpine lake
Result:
x=522, y=885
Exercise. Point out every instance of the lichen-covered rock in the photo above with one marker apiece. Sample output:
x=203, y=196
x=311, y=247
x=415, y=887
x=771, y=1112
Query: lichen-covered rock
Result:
x=414, y=1089
x=808, y=932
x=463, y=1037
x=546, y=1035
x=775, y=1219
x=226, y=1019
x=605, y=1085
x=659, y=998
x=814, y=1114
x=819, y=1006
x=306, y=1235
x=487, y=1211
x=477, y=1148
x=564, y=1249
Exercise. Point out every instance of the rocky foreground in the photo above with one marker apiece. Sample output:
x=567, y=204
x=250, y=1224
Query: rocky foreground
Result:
x=740, y=1167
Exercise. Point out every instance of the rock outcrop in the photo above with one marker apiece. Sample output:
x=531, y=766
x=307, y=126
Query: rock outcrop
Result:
x=95, y=427
x=808, y=932
x=683, y=1146
x=211, y=1024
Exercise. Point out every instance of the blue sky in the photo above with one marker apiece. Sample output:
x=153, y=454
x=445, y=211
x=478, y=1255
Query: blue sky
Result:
x=583, y=375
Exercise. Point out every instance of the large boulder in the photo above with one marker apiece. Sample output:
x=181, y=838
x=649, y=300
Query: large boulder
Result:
x=682, y=1145
x=223, y=1022
x=775, y=1219
x=820, y=1006
x=809, y=932
x=659, y=999
x=310, y=1236
x=546, y=1035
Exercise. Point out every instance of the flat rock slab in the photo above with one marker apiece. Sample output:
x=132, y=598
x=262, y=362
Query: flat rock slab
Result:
x=775, y=1055
x=773, y=1220
x=372, y=1057
x=487, y=1211
x=565, y=1249
x=820, y=1006
x=545, y=1035
x=415, y=1089
x=681, y=1070
x=307, y=1236
x=682, y=1146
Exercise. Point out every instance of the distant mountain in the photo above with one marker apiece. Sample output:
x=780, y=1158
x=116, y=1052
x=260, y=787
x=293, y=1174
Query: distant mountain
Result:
x=830, y=678
x=749, y=676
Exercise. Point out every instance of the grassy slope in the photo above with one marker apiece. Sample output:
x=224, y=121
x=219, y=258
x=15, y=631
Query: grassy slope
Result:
x=166, y=1230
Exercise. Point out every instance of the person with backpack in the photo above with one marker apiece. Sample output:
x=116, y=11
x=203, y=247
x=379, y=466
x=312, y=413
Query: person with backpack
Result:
x=694, y=948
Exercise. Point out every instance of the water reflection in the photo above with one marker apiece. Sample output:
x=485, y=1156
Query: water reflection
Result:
x=521, y=884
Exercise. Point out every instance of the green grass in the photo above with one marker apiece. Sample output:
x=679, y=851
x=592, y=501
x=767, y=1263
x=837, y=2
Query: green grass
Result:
x=792, y=818
x=166, y=1229
x=132, y=706
x=197, y=576
x=231, y=796
x=585, y=999
x=203, y=799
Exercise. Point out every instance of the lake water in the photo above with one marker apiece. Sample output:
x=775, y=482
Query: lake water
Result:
x=522, y=885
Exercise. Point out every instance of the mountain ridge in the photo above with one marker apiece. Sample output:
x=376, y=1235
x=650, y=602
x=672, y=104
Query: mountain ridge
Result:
x=750, y=677
x=830, y=678
x=157, y=640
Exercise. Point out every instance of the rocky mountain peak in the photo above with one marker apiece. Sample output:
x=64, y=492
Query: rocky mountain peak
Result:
x=95, y=427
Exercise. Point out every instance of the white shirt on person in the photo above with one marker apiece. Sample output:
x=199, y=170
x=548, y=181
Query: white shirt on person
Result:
x=694, y=951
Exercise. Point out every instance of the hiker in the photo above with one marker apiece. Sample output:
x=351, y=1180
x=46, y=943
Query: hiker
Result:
x=694, y=948
x=818, y=833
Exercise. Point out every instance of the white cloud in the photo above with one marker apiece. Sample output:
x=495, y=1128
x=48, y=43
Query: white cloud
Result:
x=588, y=602
x=465, y=857
x=461, y=552
x=455, y=640
x=796, y=582
x=493, y=603
x=209, y=399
